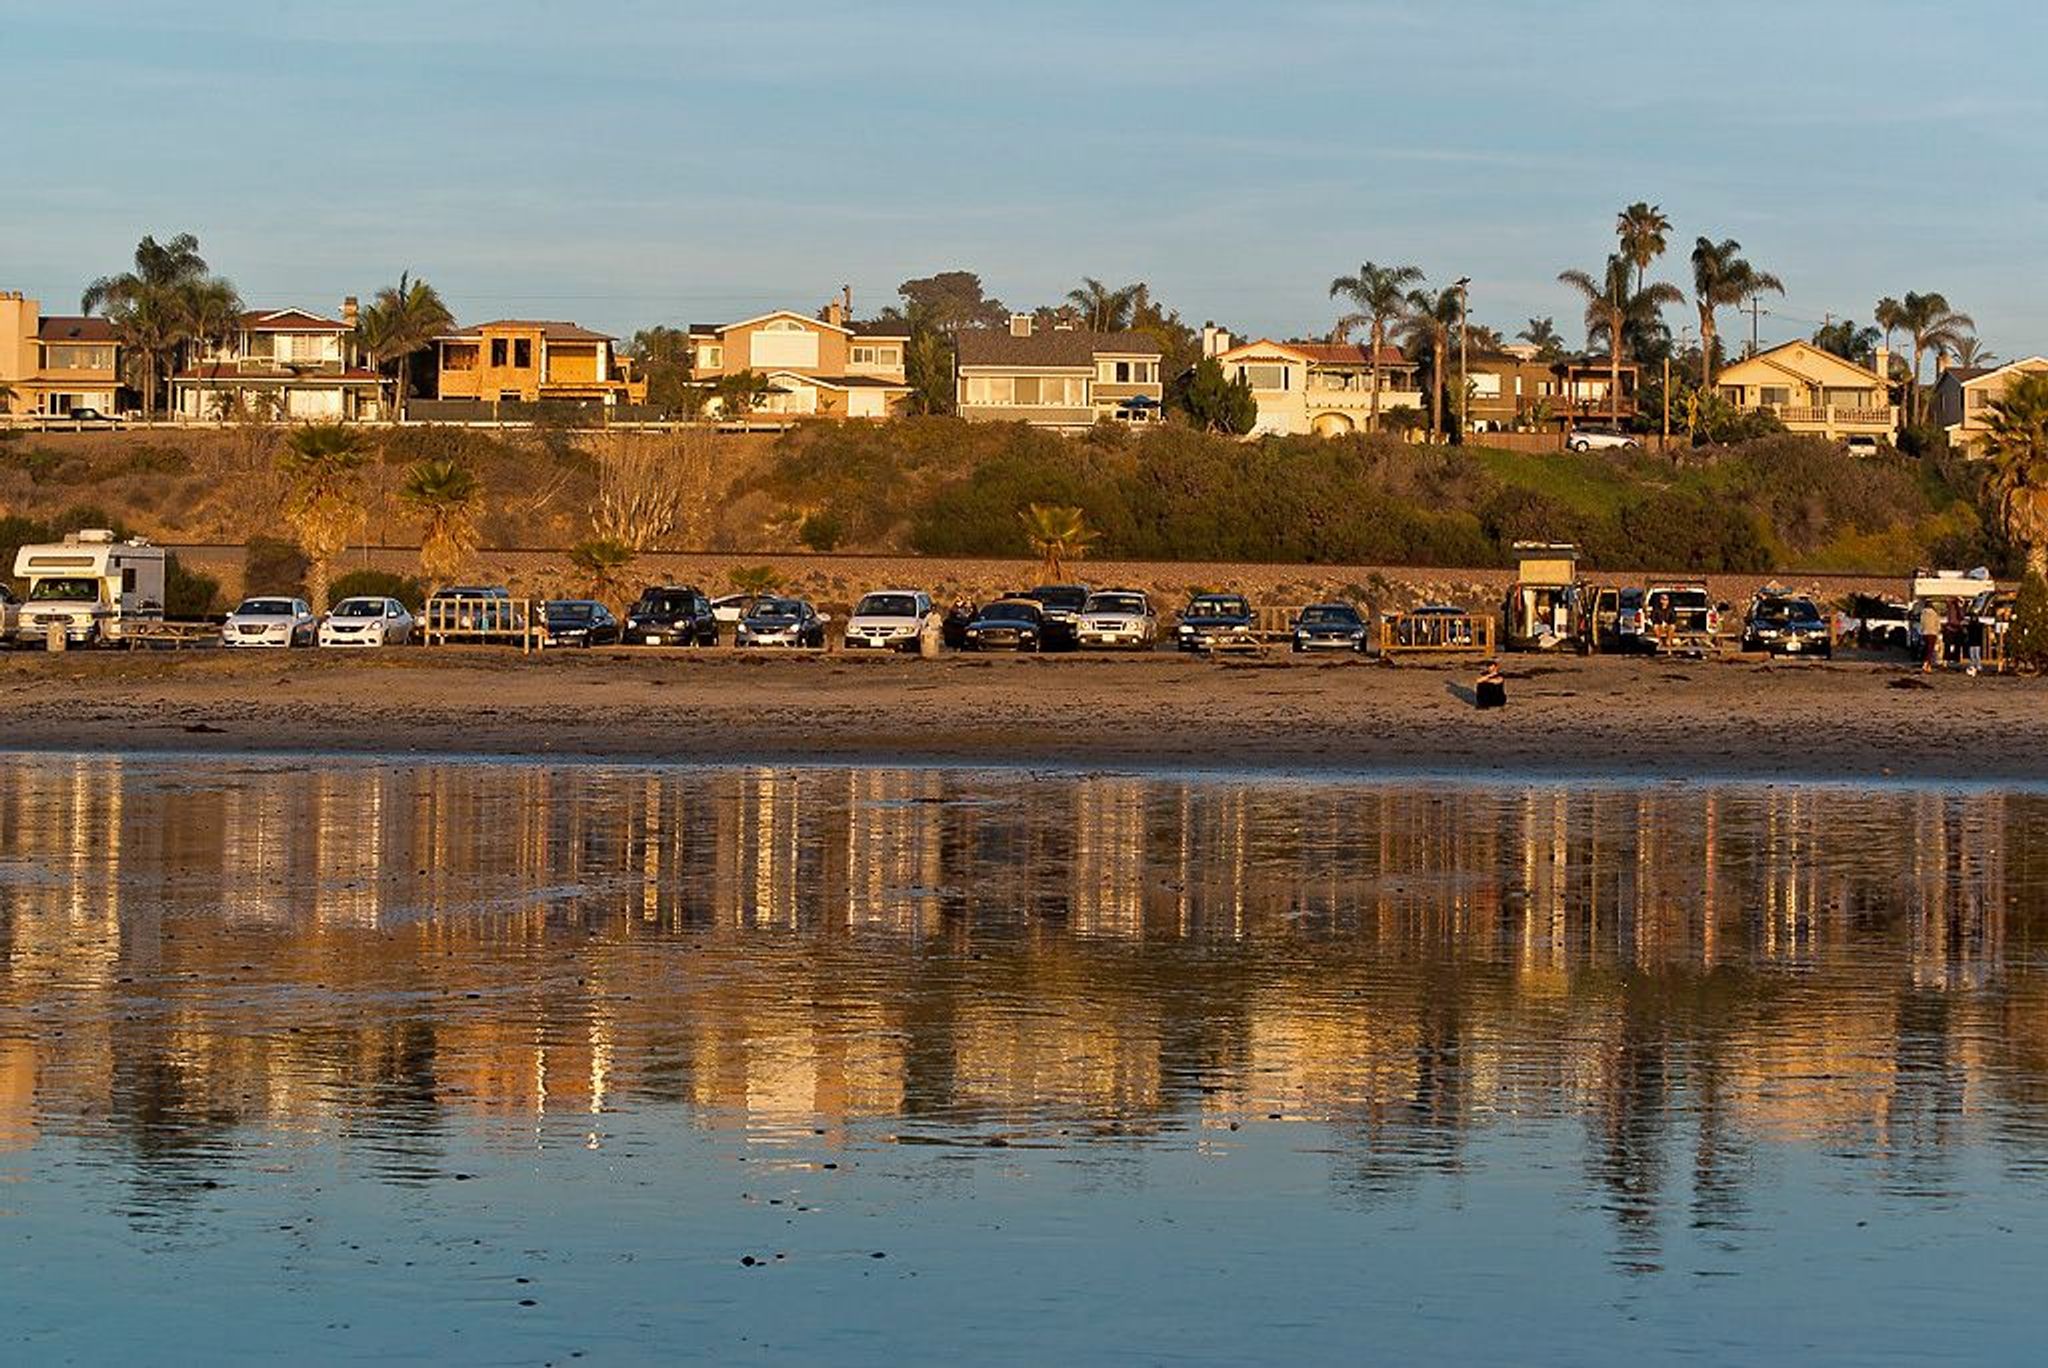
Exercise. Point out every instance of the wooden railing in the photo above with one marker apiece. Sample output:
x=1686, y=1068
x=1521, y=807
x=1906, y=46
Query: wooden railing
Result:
x=1832, y=415
x=1438, y=633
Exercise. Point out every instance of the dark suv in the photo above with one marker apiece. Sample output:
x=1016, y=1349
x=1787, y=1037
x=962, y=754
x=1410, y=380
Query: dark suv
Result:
x=674, y=615
x=1062, y=605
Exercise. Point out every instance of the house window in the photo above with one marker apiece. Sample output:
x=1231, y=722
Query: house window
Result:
x=1775, y=396
x=1485, y=385
x=711, y=358
x=876, y=356
x=304, y=346
x=1979, y=399
x=989, y=389
x=1265, y=377
x=784, y=325
x=522, y=353
x=497, y=351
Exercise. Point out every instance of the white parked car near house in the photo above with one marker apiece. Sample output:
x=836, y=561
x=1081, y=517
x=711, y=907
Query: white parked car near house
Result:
x=367, y=622
x=888, y=620
x=1600, y=439
x=273, y=622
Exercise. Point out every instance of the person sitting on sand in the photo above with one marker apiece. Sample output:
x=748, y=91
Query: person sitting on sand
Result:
x=1492, y=689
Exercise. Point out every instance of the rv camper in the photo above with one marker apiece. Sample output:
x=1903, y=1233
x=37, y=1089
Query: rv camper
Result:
x=92, y=586
x=1545, y=603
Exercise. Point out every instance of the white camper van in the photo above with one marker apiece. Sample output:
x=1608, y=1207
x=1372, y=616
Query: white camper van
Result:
x=95, y=586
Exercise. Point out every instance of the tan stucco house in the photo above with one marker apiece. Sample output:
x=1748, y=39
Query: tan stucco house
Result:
x=812, y=367
x=1963, y=396
x=1813, y=391
x=1320, y=388
x=57, y=363
x=1062, y=379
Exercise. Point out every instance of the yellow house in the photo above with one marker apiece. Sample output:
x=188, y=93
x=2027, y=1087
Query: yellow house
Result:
x=1324, y=388
x=55, y=364
x=1963, y=396
x=1813, y=391
x=829, y=367
x=534, y=361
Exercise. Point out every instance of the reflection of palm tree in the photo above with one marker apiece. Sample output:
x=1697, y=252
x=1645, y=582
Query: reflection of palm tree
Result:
x=1722, y=278
x=1056, y=534
x=1380, y=296
x=1613, y=306
x=448, y=496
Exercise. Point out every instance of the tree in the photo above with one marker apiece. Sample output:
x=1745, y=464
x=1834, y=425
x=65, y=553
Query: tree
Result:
x=1056, y=534
x=1213, y=403
x=1642, y=228
x=737, y=393
x=152, y=307
x=448, y=497
x=1720, y=278
x=754, y=579
x=213, y=317
x=1613, y=306
x=662, y=354
x=1971, y=351
x=1379, y=296
x=321, y=463
x=948, y=302
x=1104, y=309
x=2016, y=440
x=928, y=370
x=1427, y=326
x=1931, y=324
x=403, y=319
x=603, y=562
x=1847, y=339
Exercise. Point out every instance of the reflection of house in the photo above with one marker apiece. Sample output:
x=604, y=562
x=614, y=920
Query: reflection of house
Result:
x=280, y=363
x=1963, y=396
x=1813, y=391
x=812, y=367
x=534, y=361
x=57, y=364
x=1066, y=379
x=1324, y=388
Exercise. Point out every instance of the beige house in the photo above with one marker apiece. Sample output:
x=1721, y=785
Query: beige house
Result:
x=1814, y=391
x=289, y=364
x=813, y=367
x=1324, y=388
x=1062, y=379
x=58, y=363
x=533, y=361
x=1963, y=396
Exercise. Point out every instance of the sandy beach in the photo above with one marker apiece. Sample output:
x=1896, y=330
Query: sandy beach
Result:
x=1600, y=716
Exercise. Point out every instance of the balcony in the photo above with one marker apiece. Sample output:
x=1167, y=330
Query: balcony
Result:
x=1834, y=418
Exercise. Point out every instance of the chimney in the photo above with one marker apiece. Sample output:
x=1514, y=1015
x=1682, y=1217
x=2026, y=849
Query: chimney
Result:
x=1020, y=325
x=348, y=310
x=835, y=314
x=1215, y=340
x=846, y=299
x=1882, y=362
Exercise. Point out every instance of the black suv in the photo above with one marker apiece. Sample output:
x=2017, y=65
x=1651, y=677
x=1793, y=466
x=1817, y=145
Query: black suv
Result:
x=674, y=615
x=1062, y=605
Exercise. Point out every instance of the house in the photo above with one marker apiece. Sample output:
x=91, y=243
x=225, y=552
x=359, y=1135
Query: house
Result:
x=1963, y=396
x=533, y=361
x=825, y=367
x=1512, y=390
x=1324, y=388
x=279, y=363
x=58, y=363
x=1062, y=379
x=1582, y=387
x=1814, y=391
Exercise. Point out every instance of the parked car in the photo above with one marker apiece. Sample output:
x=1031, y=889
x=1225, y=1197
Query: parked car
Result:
x=1600, y=439
x=474, y=611
x=366, y=622
x=888, y=620
x=1862, y=445
x=1614, y=620
x=730, y=608
x=672, y=615
x=1330, y=627
x=273, y=622
x=953, y=627
x=1695, y=619
x=781, y=622
x=1117, y=618
x=1011, y=624
x=1210, y=616
x=1063, y=605
x=1881, y=624
x=10, y=615
x=577, y=622
x=1786, y=624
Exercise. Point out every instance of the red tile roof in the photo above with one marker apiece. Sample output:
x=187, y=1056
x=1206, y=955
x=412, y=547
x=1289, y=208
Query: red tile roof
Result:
x=1347, y=353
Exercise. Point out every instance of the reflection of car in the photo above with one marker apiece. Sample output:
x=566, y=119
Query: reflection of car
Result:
x=1118, y=617
x=672, y=615
x=1210, y=617
x=1329, y=627
x=577, y=622
x=781, y=622
x=1786, y=624
x=1599, y=439
x=1013, y=624
x=273, y=622
x=1063, y=605
x=888, y=620
x=366, y=622
x=1614, y=619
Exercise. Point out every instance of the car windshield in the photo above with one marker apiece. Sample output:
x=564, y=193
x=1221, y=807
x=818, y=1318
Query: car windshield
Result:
x=1329, y=615
x=778, y=608
x=1116, y=603
x=64, y=591
x=570, y=612
x=359, y=608
x=265, y=608
x=887, y=605
x=1219, y=606
x=1010, y=612
x=663, y=603
x=1787, y=610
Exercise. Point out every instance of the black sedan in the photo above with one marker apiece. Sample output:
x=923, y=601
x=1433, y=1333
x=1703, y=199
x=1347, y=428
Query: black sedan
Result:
x=1209, y=618
x=578, y=622
x=781, y=622
x=1329, y=627
x=1786, y=624
x=1013, y=624
x=674, y=615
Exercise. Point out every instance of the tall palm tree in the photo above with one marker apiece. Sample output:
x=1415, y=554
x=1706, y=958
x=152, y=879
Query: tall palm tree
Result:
x=605, y=562
x=1721, y=277
x=2016, y=439
x=1613, y=307
x=1057, y=534
x=1105, y=310
x=1427, y=324
x=1379, y=294
x=1844, y=338
x=448, y=497
x=1542, y=334
x=213, y=317
x=149, y=305
x=322, y=464
x=1971, y=351
x=1642, y=229
x=401, y=320
x=1932, y=325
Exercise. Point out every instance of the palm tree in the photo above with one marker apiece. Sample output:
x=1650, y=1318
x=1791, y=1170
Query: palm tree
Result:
x=1846, y=339
x=401, y=320
x=754, y=580
x=321, y=463
x=2016, y=439
x=1380, y=296
x=448, y=496
x=1720, y=278
x=1056, y=534
x=1641, y=228
x=1932, y=325
x=1971, y=351
x=1427, y=324
x=1613, y=307
x=1106, y=310
x=603, y=561
x=149, y=305
x=213, y=317
x=1542, y=334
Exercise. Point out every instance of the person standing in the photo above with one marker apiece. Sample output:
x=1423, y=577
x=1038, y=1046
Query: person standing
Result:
x=1930, y=636
x=1973, y=641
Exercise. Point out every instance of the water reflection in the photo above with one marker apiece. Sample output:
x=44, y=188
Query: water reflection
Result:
x=372, y=956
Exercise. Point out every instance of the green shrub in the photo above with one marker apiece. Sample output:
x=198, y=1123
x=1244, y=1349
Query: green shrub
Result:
x=188, y=593
x=379, y=584
x=272, y=565
x=2026, y=639
x=821, y=531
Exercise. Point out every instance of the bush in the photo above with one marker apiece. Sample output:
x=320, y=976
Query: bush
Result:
x=379, y=584
x=821, y=531
x=188, y=593
x=2026, y=639
x=272, y=565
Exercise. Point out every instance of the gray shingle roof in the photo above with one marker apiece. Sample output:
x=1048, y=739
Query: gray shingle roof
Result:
x=997, y=347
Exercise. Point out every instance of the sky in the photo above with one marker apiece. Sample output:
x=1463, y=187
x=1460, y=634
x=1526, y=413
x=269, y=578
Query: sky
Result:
x=638, y=162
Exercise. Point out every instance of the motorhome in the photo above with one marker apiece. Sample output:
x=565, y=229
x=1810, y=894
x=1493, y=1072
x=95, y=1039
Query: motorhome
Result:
x=94, y=587
x=1545, y=606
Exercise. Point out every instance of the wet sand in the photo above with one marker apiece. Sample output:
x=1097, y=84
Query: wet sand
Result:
x=1604, y=716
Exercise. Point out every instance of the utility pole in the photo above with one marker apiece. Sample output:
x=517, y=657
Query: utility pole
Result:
x=1667, y=401
x=1463, y=288
x=1756, y=314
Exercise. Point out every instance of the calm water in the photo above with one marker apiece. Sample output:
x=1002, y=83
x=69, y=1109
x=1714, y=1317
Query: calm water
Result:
x=497, y=1063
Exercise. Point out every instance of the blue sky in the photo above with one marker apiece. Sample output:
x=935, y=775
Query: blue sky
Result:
x=640, y=162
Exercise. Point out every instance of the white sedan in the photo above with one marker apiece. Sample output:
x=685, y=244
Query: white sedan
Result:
x=1600, y=439
x=367, y=622
x=272, y=622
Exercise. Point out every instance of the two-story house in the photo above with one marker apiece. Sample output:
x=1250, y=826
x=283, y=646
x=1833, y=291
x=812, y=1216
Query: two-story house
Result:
x=1062, y=379
x=55, y=364
x=810, y=367
x=533, y=361
x=1319, y=388
x=1963, y=396
x=289, y=364
x=1814, y=391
